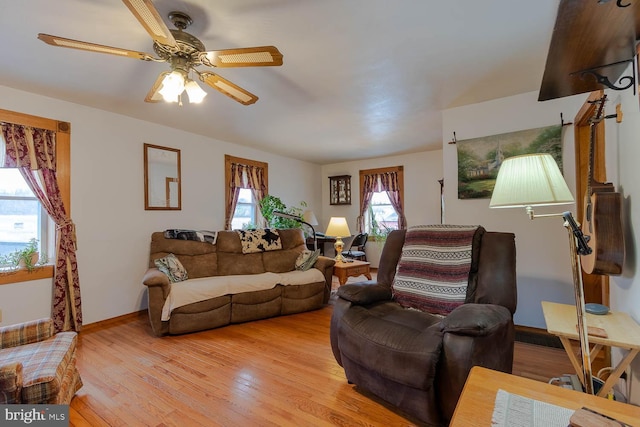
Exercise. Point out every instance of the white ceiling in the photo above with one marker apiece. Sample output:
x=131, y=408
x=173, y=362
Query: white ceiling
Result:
x=360, y=79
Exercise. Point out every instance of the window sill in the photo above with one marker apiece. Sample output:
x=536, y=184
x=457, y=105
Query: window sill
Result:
x=42, y=272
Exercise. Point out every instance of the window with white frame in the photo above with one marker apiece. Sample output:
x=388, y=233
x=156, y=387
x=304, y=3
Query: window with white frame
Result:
x=245, y=212
x=22, y=217
x=381, y=216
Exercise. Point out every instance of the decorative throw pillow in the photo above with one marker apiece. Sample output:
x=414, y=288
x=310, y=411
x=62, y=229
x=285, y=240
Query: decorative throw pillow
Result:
x=307, y=259
x=172, y=267
x=433, y=271
x=261, y=240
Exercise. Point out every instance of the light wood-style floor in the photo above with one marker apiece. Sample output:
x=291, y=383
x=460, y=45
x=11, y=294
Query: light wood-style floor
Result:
x=273, y=372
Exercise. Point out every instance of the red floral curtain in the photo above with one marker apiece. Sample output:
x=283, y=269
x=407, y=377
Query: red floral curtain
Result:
x=32, y=151
x=369, y=187
x=244, y=176
x=374, y=183
x=389, y=183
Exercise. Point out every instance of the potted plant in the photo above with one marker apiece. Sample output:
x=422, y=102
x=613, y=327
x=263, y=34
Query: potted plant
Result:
x=25, y=258
x=378, y=233
x=270, y=204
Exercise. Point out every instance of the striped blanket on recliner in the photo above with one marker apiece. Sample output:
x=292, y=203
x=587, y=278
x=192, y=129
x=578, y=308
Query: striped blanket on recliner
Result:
x=433, y=270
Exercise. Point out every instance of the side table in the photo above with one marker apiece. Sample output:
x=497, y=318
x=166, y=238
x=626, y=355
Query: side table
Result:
x=476, y=403
x=344, y=270
x=622, y=331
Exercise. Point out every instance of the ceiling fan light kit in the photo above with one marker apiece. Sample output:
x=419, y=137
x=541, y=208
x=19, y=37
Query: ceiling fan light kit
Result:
x=184, y=52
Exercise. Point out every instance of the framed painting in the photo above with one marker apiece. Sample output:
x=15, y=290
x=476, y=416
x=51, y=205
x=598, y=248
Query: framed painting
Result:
x=479, y=159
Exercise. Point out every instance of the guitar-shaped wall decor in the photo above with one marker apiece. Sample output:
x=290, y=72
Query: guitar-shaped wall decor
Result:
x=602, y=224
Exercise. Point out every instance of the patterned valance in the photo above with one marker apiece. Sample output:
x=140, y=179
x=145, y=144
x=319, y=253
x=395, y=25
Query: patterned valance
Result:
x=24, y=146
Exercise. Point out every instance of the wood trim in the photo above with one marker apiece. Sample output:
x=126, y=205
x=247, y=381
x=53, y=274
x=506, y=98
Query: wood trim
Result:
x=106, y=323
x=596, y=287
x=63, y=176
x=23, y=119
x=43, y=272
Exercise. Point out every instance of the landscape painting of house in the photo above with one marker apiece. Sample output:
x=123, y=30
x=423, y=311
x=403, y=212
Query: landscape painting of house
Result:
x=479, y=159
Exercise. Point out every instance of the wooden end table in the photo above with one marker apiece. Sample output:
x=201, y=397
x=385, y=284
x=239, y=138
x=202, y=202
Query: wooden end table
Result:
x=622, y=331
x=344, y=270
x=476, y=403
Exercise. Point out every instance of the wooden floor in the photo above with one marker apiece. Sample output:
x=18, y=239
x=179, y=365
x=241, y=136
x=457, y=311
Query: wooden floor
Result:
x=273, y=372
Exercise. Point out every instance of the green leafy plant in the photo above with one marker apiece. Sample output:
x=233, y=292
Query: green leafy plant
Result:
x=27, y=257
x=377, y=232
x=270, y=204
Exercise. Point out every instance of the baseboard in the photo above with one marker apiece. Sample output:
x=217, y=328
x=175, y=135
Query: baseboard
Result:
x=102, y=324
x=536, y=336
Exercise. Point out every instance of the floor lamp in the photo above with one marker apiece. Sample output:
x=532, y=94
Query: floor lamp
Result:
x=301, y=221
x=535, y=180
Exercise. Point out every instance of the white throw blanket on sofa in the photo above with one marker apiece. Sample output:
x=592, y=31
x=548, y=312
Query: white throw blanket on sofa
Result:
x=204, y=288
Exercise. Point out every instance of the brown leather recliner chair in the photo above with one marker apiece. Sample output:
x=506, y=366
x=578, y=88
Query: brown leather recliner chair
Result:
x=415, y=360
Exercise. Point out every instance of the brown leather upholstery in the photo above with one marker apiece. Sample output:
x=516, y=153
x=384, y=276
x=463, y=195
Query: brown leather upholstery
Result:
x=417, y=361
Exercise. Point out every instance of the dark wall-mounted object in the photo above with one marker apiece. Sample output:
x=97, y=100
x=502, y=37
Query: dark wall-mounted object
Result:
x=592, y=44
x=340, y=190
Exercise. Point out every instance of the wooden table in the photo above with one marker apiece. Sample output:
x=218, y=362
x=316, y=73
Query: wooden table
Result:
x=343, y=270
x=476, y=403
x=622, y=331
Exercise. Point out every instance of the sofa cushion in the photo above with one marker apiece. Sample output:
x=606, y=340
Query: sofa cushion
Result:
x=433, y=271
x=172, y=267
x=260, y=240
x=204, y=288
x=44, y=365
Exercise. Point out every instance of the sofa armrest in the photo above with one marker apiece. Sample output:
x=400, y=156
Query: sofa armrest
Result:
x=10, y=383
x=155, y=277
x=26, y=333
x=476, y=319
x=325, y=265
x=474, y=335
x=365, y=293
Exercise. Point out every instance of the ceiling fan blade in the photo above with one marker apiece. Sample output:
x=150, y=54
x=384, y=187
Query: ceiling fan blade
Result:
x=92, y=47
x=226, y=87
x=154, y=95
x=262, y=56
x=148, y=15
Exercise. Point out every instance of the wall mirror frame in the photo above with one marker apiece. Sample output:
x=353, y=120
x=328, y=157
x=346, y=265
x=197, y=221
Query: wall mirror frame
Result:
x=162, y=180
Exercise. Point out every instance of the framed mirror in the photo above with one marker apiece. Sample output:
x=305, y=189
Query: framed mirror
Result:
x=162, y=186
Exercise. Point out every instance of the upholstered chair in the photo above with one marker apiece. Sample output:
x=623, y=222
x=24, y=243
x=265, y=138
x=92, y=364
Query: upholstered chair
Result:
x=409, y=357
x=36, y=366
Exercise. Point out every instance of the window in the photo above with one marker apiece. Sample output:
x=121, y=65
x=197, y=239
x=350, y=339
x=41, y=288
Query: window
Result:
x=44, y=230
x=381, y=216
x=246, y=183
x=22, y=217
x=381, y=201
x=245, y=212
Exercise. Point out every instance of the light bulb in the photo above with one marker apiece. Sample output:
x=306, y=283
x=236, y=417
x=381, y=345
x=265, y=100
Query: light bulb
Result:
x=195, y=92
x=172, y=86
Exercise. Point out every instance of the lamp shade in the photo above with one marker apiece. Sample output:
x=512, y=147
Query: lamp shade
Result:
x=338, y=227
x=530, y=180
x=310, y=217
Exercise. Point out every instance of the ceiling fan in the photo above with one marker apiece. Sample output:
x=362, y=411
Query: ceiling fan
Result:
x=184, y=53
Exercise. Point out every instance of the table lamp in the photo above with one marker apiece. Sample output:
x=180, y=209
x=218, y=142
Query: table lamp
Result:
x=535, y=180
x=338, y=228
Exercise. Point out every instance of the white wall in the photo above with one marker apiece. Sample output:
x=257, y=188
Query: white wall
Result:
x=421, y=197
x=543, y=263
x=422, y=192
x=107, y=201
